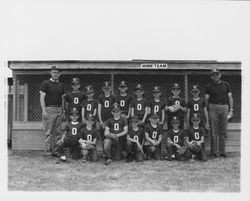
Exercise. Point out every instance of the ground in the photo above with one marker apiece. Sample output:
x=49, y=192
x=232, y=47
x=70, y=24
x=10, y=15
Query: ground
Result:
x=31, y=171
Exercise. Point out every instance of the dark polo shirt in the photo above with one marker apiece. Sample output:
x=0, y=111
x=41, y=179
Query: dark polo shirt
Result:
x=218, y=93
x=54, y=92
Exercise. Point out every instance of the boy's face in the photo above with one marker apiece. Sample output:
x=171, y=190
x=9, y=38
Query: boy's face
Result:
x=175, y=124
x=75, y=86
x=195, y=93
x=55, y=74
x=134, y=124
x=123, y=89
x=139, y=93
x=107, y=91
x=74, y=117
x=156, y=95
x=176, y=92
x=90, y=95
x=216, y=77
x=196, y=123
x=116, y=114
x=90, y=123
x=154, y=120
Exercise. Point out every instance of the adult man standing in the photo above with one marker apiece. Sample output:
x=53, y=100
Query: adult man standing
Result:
x=51, y=92
x=219, y=101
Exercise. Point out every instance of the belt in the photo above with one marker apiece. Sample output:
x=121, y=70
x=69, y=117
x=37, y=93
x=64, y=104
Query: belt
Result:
x=53, y=106
x=218, y=103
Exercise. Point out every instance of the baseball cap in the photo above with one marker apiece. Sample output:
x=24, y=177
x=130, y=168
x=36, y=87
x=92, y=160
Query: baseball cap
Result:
x=90, y=117
x=138, y=87
x=89, y=89
x=134, y=119
x=154, y=116
x=195, y=117
x=176, y=86
x=74, y=112
x=55, y=68
x=195, y=88
x=75, y=80
x=156, y=89
x=107, y=85
x=215, y=70
x=116, y=108
x=123, y=84
x=175, y=120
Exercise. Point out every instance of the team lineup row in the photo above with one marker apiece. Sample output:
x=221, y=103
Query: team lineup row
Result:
x=125, y=122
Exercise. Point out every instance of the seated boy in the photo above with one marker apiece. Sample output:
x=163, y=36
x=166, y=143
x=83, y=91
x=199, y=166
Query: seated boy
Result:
x=195, y=138
x=135, y=140
x=115, y=134
x=70, y=137
x=88, y=138
x=176, y=142
x=153, y=136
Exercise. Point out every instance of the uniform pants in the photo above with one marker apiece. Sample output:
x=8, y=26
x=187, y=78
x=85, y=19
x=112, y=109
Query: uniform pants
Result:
x=218, y=123
x=74, y=148
x=52, y=128
x=113, y=147
x=173, y=151
x=154, y=151
x=201, y=155
x=90, y=152
x=133, y=150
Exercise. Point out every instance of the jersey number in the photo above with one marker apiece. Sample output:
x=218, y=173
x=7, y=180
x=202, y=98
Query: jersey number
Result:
x=76, y=100
x=196, y=107
x=74, y=131
x=177, y=102
x=154, y=134
x=122, y=103
x=139, y=107
x=176, y=139
x=116, y=126
x=196, y=135
x=106, y=103
x=156, y=109
x=89, y=107
x=136, y=138
x=89, y=137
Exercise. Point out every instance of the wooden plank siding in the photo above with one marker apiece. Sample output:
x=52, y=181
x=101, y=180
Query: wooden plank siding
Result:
x=29, y=136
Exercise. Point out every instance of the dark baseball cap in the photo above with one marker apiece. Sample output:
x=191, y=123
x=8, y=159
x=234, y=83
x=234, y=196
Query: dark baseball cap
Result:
x=139, y=87
x=195, y=88
x=74, y=112
x=134, y=119
x=175, y=120
x=195, y=117
x=75, y=80
x=176, y=86
x=90, y=117
x=89, y=89
x=156, y=89
x=154, y=116
x=215, y=70
x=107, y=85
x=55, y=68
x=116, y=108
x=123, y=84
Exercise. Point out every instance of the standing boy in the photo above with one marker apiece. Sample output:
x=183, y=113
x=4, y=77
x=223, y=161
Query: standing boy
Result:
x=176, y=142
x=153, y=136
x=139, y=105
x=88, y=138
x=195, y=138
x=71, y=136
x=73, y=99
x=176, y=106
x=115, y=134
x=135, y=140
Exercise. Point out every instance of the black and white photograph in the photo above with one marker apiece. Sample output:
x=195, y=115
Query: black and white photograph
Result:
x=134, y=99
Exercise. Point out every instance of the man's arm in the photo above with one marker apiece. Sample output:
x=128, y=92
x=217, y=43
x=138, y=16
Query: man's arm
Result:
x=124, y=132
x=99, y=113
x=43, y=106
x=188, y=117
x=206, y=99
x=231, y=102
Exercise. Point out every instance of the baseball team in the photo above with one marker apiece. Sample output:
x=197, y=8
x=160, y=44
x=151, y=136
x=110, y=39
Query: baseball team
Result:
x=132, y=126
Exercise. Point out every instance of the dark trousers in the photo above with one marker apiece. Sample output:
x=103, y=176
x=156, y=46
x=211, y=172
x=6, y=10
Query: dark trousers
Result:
x=74, y=148
x=153, y=151
x=172, y=150
x=92, y=153
x=133, y=151
x=201, y=155
x=113, y=147
x=164, y=150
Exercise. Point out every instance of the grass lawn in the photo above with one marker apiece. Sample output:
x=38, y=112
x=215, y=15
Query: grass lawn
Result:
x=30, y=171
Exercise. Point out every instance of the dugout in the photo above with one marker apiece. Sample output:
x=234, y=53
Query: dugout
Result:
x=26, y=131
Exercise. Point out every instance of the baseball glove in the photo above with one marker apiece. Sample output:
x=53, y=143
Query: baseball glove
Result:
x=194, y=147
x=182, y=150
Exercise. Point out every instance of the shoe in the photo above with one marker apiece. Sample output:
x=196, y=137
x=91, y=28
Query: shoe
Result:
x=192, y=158
x=54, y=154
x=108, y=161
x=63, y=158
x=214, y=155
x=223, y=155
x=168, y=158
x=129, y=159
x=47, y=153
x=84, y=160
